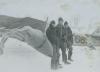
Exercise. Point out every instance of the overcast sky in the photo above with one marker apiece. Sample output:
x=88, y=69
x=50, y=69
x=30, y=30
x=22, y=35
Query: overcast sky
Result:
x=81, y=14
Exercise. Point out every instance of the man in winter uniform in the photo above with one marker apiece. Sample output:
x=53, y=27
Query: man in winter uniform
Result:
x=52, y=37
x=60, y=34
x=68, y=36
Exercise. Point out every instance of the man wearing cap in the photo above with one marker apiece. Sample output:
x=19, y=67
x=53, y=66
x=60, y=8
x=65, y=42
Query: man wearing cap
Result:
x=60, y=35
x=68, y=36
x=52, y=37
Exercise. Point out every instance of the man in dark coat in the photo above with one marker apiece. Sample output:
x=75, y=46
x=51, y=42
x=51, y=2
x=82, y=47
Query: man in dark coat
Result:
x=52, y=37
x=68, y=36
x=60, y=34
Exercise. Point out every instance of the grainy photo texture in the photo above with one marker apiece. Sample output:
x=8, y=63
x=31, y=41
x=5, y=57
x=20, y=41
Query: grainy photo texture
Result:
x=49, y=35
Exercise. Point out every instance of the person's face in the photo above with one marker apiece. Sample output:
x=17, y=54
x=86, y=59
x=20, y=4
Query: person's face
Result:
x=61, y=22
x=53, y=24
x=66, y=26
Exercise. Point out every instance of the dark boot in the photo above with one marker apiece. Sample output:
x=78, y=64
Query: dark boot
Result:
x=70, y=54
x=64, y=56
x=67, y=62
x=53, y=64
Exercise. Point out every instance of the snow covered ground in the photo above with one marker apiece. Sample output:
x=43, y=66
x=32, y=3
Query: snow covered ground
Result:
x=19, y=57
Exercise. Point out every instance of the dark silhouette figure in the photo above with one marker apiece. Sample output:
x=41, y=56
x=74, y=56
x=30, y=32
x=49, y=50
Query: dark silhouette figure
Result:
x=68, y=36
x=52, y=37
x=60, y=34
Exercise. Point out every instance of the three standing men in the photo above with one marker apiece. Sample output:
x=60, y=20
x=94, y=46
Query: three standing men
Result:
x=60, y=37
